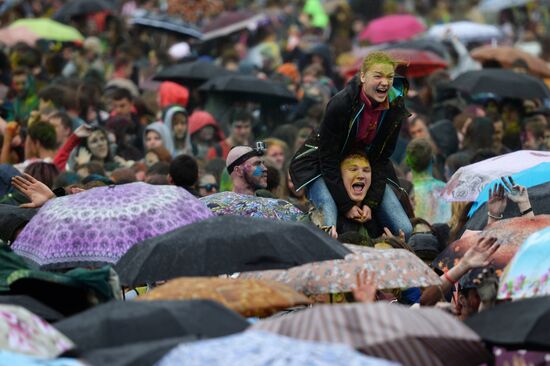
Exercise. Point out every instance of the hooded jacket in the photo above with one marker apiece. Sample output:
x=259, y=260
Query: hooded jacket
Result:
x=168, y=115
x=164, y=133
x=172, y=93
x=322, y=153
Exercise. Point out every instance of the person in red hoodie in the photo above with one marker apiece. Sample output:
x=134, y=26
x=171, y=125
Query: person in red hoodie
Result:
x=205, y=133
x=171, y=93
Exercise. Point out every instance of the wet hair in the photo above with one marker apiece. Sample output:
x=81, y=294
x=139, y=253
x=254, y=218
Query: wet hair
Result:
x=161, y=152
x=377, y=58
x=54, y=93
x=66, y=121
x=121, y=93
x=162, y=168
x=184, y=171
x=479, y=134
x=355, y=153
x=44, y=133
x=240, y=115
x=44, y=172
x=419, y=154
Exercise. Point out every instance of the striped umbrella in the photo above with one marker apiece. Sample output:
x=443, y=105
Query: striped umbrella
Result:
x=425, y=336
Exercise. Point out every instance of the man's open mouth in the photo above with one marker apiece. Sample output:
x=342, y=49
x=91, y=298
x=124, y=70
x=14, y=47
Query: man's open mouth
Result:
x=358, y=187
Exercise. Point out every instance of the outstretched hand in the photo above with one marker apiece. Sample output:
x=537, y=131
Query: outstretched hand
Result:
x=478, y=255
x=365, y=290
x=516, y=193
x=35, y=190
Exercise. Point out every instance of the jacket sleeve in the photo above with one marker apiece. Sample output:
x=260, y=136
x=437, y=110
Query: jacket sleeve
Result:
x=62, y=155
x=332, y=134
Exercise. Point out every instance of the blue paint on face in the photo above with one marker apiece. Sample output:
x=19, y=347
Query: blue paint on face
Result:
x=258, y=171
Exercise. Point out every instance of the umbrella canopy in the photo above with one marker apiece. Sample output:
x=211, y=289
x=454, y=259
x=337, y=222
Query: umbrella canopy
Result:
x=229, y=22
x=125, y=322
x=49, y=29
x=74, y=8
x=392, y=28
x=225, y=245
x=249, y=88
x=165, y=22
x=18, y=359
x=494, y=6
x=99, y=225
x=11, y=36
x=528, y=274
x=395, y=268
x=230, y=203
x=423, y=44
x=511, y=233
x=519, y=324
x=501, y=82
x=506, y=56
x=256, y=348
x=192, y=73
x=23, y=332
x=32, y=305
x=466, y=31
x=468, y=181
x=246, y=297
x=13, y=218
x=425, y=336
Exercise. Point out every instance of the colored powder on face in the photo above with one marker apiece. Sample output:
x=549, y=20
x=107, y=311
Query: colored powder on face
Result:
x=258, y=171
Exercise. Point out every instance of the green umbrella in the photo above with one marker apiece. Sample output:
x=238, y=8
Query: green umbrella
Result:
x=49, y=29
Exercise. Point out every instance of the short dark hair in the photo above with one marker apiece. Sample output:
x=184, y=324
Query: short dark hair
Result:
x=43, y=132
x=121, y=93
x=239, y=115
x=161, y=167
x=184, y=171
x=54, y=93
x=419, y=154
x=44, y=172
x=66, y=120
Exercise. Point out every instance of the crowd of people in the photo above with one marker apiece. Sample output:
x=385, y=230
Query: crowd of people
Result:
x=364, y=151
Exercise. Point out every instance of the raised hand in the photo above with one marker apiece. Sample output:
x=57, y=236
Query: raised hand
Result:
x=365, y=289
x=516, y=193
x=478, y=255
x=497, y=201
x=83, y=156
x=35, y=190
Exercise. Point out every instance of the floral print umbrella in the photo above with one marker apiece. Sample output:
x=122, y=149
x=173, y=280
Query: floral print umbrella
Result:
x=395, y=268
x=511, y=233
x=230, y=203
x=528, y=274
x=98, y=226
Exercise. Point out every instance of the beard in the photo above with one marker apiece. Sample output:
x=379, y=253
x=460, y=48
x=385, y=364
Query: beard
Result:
x=254, y=182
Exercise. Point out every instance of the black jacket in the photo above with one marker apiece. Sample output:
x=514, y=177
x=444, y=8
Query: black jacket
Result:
x=322, y=152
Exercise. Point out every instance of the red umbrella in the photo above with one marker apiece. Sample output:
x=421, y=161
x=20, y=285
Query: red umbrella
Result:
x=416, y=63
x=392, y=28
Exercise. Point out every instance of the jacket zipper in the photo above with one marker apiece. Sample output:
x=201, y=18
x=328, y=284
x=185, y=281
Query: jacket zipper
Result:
x=307, y=152
x=351, y=126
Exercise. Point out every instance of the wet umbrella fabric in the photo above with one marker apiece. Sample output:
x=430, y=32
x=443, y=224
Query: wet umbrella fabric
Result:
x=392, y=28
x=98, y=226
x=424, y=336
x=466, y=31
x=506, y=56
x=229, y=22
x=165, y=23
x=74, y=8
x=34, y=306
x=501, y=82
x=230, y=203
x=191, y=74
x=519, y=324
x=224, y=245
x=125, y=322
x=256, y=348
x=49, y=29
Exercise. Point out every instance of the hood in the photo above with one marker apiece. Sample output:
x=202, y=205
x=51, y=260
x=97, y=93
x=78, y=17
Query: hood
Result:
x=164, y=133
x=200, y=119
x=444, y=135
x=172, y=93
x=167, y=116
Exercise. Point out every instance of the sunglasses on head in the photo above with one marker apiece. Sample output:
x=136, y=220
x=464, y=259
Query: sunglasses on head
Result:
x=209, y=187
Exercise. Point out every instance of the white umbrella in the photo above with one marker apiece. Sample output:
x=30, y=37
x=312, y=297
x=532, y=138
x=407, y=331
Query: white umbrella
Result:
x=468, y=181
x=494, y=6
x=466, y=31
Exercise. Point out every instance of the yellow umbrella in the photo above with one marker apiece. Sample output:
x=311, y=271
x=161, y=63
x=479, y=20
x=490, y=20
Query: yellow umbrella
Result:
x=49, y=29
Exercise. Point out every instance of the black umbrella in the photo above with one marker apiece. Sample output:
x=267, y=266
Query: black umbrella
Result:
x=226, y=244
x=423, y=44
x=250, y=88
x=504, y=83
x=539, y=196
x=119, y=323
x=13, y=218
x=74, y=8
x=32, y=305
x=519, y=324
x=165, y=23
x=191, y=74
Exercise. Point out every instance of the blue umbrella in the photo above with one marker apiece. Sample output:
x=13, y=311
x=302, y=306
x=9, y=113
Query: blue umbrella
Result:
x=539, y=174
x=165, y=23
x=255, y=348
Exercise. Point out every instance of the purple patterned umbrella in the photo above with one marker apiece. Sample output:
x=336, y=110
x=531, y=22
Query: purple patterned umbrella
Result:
x=98, y=226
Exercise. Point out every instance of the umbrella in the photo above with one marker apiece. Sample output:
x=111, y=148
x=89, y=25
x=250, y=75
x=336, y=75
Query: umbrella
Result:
x=120, y=323
x=528, y=274
x=74, y=8
x=511, y=233
x=99, y=225
x=49, y=29
x=466, y=31
x=495, y=6
x=468, y=181
x=395, y=268
x=225, y=245
x=506, y=56
x=165, y=22
x=17, y=359
x=425, y=336
x=246, y=297
x=229, y=22
x=519, y=324
x=11, y=36
x=423, y=44
x=249, y=88
x=392, y=28
x=255, y=348
x=23, y=332
x=230, y=203
x=191, y=73
x=501, y=82
x=539, y=174
x=539, y=196
x=13, y=218
x=34, y=306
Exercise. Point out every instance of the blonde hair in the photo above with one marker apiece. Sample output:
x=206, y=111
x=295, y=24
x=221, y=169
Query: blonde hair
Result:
x=377, y=58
